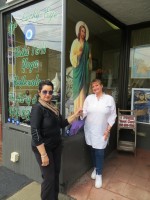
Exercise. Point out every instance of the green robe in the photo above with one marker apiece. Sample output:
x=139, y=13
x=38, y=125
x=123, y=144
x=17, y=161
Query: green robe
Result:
x=81, y=73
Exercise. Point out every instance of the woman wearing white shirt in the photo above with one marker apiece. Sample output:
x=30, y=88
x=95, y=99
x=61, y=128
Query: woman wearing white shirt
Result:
x=99, y=111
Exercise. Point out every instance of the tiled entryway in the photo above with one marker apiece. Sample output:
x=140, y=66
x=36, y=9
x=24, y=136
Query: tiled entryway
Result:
x=125, y=177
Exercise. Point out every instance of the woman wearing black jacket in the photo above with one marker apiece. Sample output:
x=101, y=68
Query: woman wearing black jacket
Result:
x=46, y=123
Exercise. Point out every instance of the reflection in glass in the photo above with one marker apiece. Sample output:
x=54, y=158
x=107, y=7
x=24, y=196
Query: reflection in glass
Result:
x=139, y=67
x=33, y=52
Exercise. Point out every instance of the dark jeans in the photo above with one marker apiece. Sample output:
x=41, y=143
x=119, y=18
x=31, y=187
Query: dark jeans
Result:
x=98, y=159
x=50, y=173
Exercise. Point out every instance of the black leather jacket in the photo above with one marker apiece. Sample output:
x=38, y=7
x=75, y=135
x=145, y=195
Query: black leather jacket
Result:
x=45, y=126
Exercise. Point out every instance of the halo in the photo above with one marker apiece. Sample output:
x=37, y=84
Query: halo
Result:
x=81, y=23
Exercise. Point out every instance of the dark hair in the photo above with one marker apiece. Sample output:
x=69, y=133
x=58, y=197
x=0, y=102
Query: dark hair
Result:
x=142, y=93
x=27, y=92
x=45, y=82
x=97, y=80
x=79, y=33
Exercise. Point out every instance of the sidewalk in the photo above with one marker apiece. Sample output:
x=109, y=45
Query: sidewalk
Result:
x=32, y=192
x=14, y=186
x=125, y=177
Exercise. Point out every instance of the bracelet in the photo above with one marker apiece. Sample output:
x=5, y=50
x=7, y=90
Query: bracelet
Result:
x=43, y=156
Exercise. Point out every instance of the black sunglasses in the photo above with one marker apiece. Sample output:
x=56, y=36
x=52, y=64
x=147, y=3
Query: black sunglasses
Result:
x=49, y=92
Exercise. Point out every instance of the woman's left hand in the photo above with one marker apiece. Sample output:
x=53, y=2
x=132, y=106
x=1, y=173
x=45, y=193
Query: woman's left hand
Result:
x=45, y=160
x=106, y=135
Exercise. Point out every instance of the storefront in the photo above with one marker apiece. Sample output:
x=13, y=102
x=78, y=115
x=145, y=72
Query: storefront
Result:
x=38, y=42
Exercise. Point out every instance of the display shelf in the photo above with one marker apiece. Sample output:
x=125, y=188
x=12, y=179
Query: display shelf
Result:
x=127, y=120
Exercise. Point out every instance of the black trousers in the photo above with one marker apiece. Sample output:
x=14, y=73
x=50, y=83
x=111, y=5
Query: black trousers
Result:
x=50, y=173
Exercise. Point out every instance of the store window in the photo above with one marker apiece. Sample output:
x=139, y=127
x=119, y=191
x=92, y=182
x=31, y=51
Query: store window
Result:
x=101, y=50
x=33, y=54
x=139, y=75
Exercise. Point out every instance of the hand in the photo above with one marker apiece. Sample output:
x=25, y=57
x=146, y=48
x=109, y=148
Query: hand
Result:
x=79, y=112
x=74, y=116
x=45, y=161
x=106, y=135
x=80, y=51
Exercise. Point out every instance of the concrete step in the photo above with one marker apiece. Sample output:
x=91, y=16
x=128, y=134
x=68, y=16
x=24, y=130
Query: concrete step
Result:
x=32, y=192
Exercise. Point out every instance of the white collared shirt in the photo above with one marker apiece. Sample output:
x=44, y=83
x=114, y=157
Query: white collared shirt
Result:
x=99, y=114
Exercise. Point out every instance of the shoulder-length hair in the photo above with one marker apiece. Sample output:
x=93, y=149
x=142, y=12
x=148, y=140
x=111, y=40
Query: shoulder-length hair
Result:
x=79, y=33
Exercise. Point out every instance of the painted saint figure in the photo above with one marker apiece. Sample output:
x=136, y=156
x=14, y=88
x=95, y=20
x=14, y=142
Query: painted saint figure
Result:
x=80, y=59
x=141, y=105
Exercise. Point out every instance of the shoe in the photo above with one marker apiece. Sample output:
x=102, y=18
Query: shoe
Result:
x=93, y=175
x=98, y=181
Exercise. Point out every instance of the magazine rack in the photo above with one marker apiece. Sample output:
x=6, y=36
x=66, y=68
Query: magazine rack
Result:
x=127, y=120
